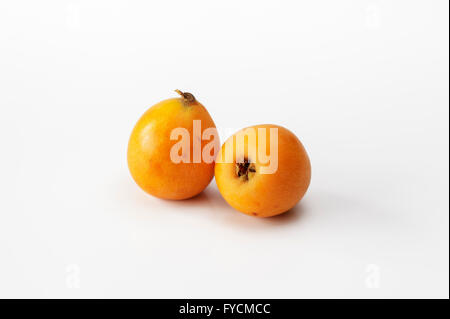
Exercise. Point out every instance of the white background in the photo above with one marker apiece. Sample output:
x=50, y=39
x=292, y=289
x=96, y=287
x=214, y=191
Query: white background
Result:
x=363, y=84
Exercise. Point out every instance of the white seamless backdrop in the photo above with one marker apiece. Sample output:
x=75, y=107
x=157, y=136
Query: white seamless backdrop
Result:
x=363, y=84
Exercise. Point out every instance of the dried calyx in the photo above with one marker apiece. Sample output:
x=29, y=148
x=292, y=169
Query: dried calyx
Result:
x=245, y=169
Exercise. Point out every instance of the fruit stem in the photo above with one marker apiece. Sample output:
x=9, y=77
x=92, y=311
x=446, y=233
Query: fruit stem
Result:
x=188, y=97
